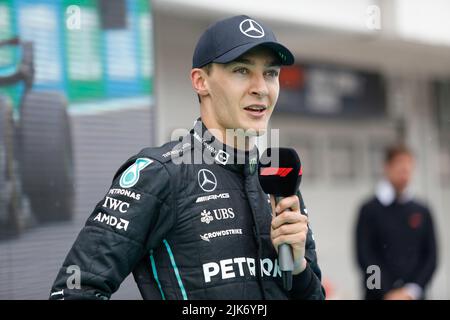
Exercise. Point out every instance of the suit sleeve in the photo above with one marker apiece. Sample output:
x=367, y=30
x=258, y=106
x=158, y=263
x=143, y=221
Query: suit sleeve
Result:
x=368, y=250
x=307, y=285
x=132, y=216
x=428, y=254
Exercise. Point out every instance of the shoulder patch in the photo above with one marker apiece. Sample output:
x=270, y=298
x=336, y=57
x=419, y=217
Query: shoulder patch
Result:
x=131, y=176
x=169, y=151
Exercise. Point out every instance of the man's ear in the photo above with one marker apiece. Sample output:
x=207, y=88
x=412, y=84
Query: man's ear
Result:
x=199, y=81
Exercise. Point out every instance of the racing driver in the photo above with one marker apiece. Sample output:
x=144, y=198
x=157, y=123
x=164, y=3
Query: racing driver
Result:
x=189, y=219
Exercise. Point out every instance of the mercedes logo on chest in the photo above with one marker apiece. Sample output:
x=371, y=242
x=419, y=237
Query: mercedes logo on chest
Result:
x=207, y=180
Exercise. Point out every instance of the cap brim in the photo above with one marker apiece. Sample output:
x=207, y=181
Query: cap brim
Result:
x=283, y=53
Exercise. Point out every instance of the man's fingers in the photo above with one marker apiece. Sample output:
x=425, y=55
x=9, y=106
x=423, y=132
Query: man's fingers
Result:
x=287, y=229
x=298, y=239
x=291, y=203
x=288, y=217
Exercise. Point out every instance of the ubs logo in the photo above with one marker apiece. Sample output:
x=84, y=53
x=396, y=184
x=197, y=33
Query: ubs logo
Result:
x=217, y=214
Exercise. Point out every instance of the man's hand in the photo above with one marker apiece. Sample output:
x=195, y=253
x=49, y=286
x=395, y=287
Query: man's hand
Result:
x=290, y=226
x=398, y=294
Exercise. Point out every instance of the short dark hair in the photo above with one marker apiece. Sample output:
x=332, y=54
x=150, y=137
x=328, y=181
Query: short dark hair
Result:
x=396, y=150
x=207, y=69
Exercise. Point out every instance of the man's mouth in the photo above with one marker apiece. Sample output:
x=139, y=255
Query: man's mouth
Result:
x=256, y=110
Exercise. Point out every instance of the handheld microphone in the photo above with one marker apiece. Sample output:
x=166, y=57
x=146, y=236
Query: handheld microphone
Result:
x=280, y=174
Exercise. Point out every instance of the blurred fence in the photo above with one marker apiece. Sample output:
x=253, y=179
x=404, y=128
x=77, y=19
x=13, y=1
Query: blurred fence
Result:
x=76, y=100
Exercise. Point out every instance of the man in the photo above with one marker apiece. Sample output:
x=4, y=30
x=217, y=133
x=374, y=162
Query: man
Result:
x=395, y=233
x=190, y=219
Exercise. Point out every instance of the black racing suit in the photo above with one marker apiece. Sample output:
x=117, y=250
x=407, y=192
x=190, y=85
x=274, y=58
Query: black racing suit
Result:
x=191, y=221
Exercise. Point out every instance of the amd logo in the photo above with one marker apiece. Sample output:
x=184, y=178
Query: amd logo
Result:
x=112, y=221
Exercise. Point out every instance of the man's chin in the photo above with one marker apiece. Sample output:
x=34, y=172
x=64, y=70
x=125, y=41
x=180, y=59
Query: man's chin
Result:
x=248, y=129
x=255, y=130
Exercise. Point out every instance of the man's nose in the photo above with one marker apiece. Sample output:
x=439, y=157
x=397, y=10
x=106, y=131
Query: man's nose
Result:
x=259, y=86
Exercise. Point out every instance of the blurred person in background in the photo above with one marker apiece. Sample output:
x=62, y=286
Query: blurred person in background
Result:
x=202, y=229
x=395, y=233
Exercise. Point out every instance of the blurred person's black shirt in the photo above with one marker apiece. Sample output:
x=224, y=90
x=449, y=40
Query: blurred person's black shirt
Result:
x=397, y=235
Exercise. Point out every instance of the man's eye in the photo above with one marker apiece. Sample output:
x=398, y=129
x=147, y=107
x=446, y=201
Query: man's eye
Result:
x=241, y=70
x=272, y=73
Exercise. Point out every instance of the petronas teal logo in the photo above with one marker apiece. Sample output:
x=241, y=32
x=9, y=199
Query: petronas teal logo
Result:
x=131, y=175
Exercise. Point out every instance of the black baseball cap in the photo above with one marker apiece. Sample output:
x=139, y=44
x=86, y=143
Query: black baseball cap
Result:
x=227, y=39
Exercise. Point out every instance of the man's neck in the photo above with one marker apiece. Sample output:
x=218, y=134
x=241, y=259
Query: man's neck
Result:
x=234, y=138
x=399, y=193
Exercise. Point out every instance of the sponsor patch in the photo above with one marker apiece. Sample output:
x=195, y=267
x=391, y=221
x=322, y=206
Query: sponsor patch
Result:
x=206, y=180
x=177, y=151
x=217, y=214
x=115, y=205
x=212, y=197
x=112, y=221
x=131, y=176
x=126, y=193
x=222, y=233
x=206, y=217
x=239, y=267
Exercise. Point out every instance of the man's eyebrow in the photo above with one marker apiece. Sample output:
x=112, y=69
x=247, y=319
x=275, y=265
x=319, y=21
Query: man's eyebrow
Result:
x=272, y=63
x=244, y=61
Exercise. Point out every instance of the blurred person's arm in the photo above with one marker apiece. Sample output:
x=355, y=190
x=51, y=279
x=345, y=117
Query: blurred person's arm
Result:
x=368, y=247
x=428, y=259
x=117, y=235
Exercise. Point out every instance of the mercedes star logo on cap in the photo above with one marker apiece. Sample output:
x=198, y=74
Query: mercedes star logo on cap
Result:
x=251, y=28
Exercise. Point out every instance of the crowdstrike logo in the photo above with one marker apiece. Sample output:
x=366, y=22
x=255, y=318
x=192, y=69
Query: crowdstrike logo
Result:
x=251, y=28
x=221, y=233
